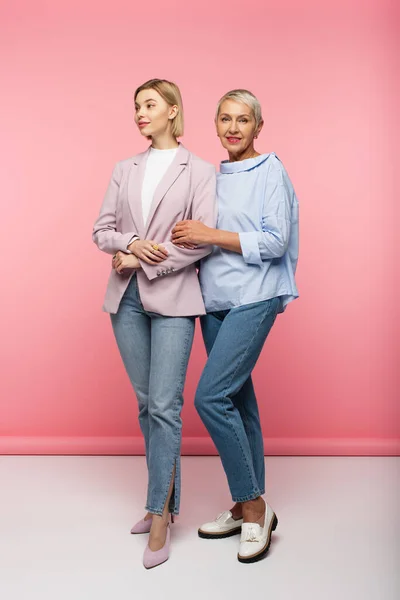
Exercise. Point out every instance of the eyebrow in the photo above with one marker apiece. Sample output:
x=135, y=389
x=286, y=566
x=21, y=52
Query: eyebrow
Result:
x=148, y=100
x=227, y=115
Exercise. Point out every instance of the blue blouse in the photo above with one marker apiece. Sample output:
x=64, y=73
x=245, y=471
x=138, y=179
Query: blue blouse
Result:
x=256, y=199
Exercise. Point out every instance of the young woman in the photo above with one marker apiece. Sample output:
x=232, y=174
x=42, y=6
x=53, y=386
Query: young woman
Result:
x=246, y=281
x=153, y=293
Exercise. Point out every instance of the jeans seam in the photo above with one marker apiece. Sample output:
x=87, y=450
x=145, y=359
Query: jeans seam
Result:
x=245, y=422
x=224, y=405
x=251, y=438
x=177, y=437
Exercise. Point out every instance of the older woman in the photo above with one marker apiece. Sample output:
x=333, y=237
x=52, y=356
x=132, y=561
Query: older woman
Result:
x=246, y=281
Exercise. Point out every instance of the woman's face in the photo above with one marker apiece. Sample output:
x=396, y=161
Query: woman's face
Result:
x=236, y=126
x=153, y=115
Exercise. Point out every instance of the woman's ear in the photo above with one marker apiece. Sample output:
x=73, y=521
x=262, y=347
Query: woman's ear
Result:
x=258, y=129
x=173, y=112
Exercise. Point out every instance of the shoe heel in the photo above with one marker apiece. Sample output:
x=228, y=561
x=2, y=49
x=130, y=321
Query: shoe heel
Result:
x=275, y=523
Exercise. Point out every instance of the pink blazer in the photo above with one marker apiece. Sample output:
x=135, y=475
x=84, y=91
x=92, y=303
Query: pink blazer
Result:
x=187, y=191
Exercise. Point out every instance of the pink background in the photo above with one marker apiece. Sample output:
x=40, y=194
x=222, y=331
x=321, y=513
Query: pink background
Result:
x=328, y=378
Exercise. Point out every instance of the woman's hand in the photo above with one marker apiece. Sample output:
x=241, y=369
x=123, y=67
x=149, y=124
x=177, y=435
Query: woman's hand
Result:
x=123, y=261
x=149, y=251
x=191, y=233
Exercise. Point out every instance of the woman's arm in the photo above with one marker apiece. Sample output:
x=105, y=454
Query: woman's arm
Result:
x=105, y=233
x=204, y=211
x=255, y=246
x=273, y=239
x=195, y=232
x=122, y=261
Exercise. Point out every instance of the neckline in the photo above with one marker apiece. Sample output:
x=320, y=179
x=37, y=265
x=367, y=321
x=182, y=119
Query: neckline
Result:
x=159, y=150
x=243, y=165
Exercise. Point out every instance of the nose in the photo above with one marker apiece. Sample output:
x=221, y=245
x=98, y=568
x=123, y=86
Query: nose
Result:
x=233, y=128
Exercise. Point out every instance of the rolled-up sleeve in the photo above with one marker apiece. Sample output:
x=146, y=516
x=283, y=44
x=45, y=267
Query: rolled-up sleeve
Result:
x=249, y=243
x=273, y=239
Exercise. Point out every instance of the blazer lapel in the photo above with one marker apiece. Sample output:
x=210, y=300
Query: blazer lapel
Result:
x=135, y=184
x=172, y=174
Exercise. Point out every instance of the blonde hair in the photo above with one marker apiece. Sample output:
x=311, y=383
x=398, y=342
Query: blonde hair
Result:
x=247, y=98
x=172, y=96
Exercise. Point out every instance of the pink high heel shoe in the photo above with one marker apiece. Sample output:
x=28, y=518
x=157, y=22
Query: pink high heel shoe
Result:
x=144, y=526
x=153, y=559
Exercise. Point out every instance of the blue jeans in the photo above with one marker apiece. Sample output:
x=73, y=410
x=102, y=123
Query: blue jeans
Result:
x=225, y=398
x=155, y=351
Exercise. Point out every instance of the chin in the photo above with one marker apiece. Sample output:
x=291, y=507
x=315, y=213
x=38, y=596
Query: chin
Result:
x=234, y=149
x=226, y=146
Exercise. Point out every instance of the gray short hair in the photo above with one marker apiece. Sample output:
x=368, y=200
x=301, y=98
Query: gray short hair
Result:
x=247, y=98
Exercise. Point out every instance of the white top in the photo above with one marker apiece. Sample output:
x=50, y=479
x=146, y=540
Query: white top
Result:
x=157, y=164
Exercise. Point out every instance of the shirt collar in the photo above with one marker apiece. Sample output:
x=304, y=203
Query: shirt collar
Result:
x=242, y=165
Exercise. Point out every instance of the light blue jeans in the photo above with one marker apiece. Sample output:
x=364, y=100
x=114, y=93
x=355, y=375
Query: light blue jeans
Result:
x=225, y=398
x=155, y=351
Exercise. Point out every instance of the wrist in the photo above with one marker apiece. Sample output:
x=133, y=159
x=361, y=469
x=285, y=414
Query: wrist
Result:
x=131, y=245
x=214, y=237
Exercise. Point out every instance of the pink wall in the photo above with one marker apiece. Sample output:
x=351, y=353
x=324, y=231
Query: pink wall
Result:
x=328, y=379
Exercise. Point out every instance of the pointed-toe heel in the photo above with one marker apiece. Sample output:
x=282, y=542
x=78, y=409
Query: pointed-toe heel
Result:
x=142, y=526
x=153, y=559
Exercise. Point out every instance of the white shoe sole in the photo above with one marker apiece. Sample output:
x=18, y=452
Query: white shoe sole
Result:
x=218, y=536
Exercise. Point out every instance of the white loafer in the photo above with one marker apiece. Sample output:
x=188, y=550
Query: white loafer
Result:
x=223, y=526
x=255, y=540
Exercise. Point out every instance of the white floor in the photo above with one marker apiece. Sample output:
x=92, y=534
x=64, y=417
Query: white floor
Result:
x=64, y=532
